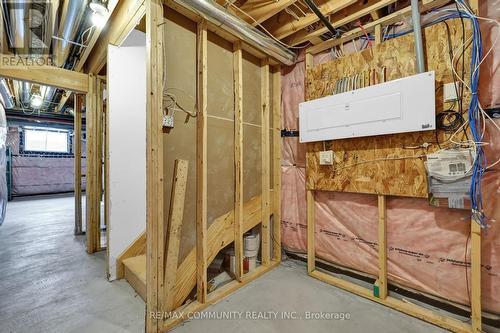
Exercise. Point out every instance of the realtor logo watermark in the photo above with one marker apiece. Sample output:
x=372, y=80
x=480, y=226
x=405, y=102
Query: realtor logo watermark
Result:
x=250, y=315
x=26, y=39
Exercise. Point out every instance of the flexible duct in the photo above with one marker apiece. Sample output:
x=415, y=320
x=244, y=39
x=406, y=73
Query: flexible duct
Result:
x=8, y=101
x=218, y=15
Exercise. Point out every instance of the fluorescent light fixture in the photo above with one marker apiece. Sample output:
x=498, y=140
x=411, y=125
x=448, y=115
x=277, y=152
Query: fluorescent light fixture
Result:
x=36, y=101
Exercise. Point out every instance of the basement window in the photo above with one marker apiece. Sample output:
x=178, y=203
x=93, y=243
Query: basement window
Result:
x=45, y=141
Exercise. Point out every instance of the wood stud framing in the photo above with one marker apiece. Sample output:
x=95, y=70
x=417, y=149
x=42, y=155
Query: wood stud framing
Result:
x=238, y=158
x=77, y=144
x=175, y=217
x=201, y=166
x=94, y=163
x=276, y=229
x=265, y=100
x=382, y=247
x=382, y=283
x=155, y=222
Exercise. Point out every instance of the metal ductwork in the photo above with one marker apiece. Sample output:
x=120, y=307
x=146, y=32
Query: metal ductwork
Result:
x=218, y=15
x=17, y=11
x=71, y=19
x=24, y=92
x=8, y=101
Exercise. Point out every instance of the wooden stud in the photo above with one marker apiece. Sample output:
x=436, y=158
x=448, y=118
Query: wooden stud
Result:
x=382, y=247
x=311, y=248
x=155, y=228
x=92, y=176
x=238, y=159
x=201, y=165
x=309, y=61
x=276, y=232
x=175, y=217
x=378, y=34
x=99, y=158
x=265, y=100
x=77, y=144
x=475, y=289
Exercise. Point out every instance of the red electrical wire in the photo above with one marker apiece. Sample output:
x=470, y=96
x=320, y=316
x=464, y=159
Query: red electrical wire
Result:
x=364, y=31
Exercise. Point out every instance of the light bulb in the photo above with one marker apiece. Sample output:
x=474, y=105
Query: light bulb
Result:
x=98, y=19
x=36, y=101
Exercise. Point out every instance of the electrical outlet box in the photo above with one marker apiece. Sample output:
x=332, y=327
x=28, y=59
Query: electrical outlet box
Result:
x=326, y=157
x=449, y=92
x=168, y=121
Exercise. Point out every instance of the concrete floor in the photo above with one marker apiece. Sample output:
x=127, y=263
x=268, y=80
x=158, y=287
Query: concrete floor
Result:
x=49, y=284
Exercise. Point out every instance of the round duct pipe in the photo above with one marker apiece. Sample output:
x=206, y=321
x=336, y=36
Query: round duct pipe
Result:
x=6, y=97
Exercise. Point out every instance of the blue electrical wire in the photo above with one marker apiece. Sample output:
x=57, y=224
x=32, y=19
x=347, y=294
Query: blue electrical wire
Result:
x=474, y=112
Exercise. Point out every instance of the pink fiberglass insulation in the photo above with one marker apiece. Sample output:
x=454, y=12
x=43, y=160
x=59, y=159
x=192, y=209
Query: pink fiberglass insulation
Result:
x=426, y=245
x=489, y=86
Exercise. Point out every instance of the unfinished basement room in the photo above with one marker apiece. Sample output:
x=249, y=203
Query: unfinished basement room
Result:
x=222, y=166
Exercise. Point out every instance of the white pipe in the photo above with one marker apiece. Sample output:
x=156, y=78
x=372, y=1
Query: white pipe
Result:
x=417, y=32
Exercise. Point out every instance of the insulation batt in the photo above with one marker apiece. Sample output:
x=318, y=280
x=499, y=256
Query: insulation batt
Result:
x=426, y=245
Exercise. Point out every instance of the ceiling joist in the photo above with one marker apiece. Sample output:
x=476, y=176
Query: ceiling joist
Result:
x=369, y=27
x=349, y=14
x=281, y=27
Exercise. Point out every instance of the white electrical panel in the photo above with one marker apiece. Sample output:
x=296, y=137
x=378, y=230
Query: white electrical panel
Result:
x=403, y=105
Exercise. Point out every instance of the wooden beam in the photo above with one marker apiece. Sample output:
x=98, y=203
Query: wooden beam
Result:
x=343, y=17
x=311, y=248
x=281, y=28
x=175, y=217
x=262, y=10
x=382, y=247
x=265, y=181
x=45, y=75
x=201, y=165
x=369, y=27
x=155, y=228
x=77, y=144
x=475, y=289
x=125, y=16
x=238, y=158
x=276, y=232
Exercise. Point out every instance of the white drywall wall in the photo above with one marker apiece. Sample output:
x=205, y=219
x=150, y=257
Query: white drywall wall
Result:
x=127, y=144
